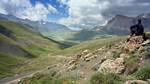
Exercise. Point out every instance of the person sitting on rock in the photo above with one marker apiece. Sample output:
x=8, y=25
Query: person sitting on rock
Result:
x=138, y=29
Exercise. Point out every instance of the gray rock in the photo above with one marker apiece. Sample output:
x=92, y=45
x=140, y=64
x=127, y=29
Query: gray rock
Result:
x=112, y=66
x=136, y=82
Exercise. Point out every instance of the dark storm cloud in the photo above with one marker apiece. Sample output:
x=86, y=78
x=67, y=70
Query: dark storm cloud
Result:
x=142, y=1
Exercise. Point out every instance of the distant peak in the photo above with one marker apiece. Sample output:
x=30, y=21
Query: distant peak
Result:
x=120, y=16
x=144, y=15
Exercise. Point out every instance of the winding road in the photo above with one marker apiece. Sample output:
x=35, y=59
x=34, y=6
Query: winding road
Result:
x=17, y=78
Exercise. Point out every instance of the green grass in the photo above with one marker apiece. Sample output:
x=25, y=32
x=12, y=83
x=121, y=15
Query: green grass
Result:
x=143, y=73
x=8, y=64
x=48, y=79
x=100, y=78
x=131, y=64
x=91, y=45
x=38, y=63
x=29, y=42
x=116, y=54
x=146, y=55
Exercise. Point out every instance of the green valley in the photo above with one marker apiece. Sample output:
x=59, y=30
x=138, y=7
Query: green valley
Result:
x=18, y=44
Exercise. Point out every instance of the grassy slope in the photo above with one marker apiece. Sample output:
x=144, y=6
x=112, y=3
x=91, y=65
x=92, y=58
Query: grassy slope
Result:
x=7, y=63
x=43, y=62
x=26, y=41
x=91, y=45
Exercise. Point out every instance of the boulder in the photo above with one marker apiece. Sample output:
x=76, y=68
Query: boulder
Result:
x=72, y=62
x=72, y=67
x=136, y=82
x=88, y=55
x=141, y=48
x=146, y=42
x=100, y=49
x=124, y=55
x=85, y=52
x=112, y=66
x=91, y=57
x=133, y=43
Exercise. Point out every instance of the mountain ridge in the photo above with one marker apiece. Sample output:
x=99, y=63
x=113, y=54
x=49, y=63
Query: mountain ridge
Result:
x=120, y=24
x=46, y=28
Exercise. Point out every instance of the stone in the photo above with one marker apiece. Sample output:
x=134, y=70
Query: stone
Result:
x=133, y=43
x=77, y=57
x=146, y=42
x=141, y=48
x=112, y=66
x=136, y=82
x=85, y=52
x=72, y=67
x=124, y=55
x=148, y=80
x=88, y=55
x=108, y=54
x=90, y=58
x=100, y=49
x=72, y=62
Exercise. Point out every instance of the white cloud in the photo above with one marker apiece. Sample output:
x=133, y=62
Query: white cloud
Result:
x=2, y=10
x=52, y=9
x=63, y=1
x=38, y=12
x=24, y=9
x=89, y=13
x=85, y=13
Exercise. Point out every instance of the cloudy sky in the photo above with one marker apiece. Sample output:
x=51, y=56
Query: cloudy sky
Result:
x=74, y=13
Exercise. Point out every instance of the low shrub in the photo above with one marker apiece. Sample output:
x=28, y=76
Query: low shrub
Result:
x=116, y=54
x=100, y=78
x=143, y=73
x=131, y=64
x=48, y=79
x=146, y=55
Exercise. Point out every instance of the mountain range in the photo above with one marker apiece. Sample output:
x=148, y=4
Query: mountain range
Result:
x=120, y=25
x=49, y=29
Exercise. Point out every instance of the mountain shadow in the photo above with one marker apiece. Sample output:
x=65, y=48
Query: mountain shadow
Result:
x=84, y=35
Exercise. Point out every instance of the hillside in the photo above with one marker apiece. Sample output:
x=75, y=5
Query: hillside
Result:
x=92, y=45
x=18, y=43
x=51, y=30
x=107, y=61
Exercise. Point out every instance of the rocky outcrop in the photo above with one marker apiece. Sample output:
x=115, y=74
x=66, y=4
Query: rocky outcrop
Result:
x=133, y=43
x=106, y=59
x=85, y=56
x=112, y=66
